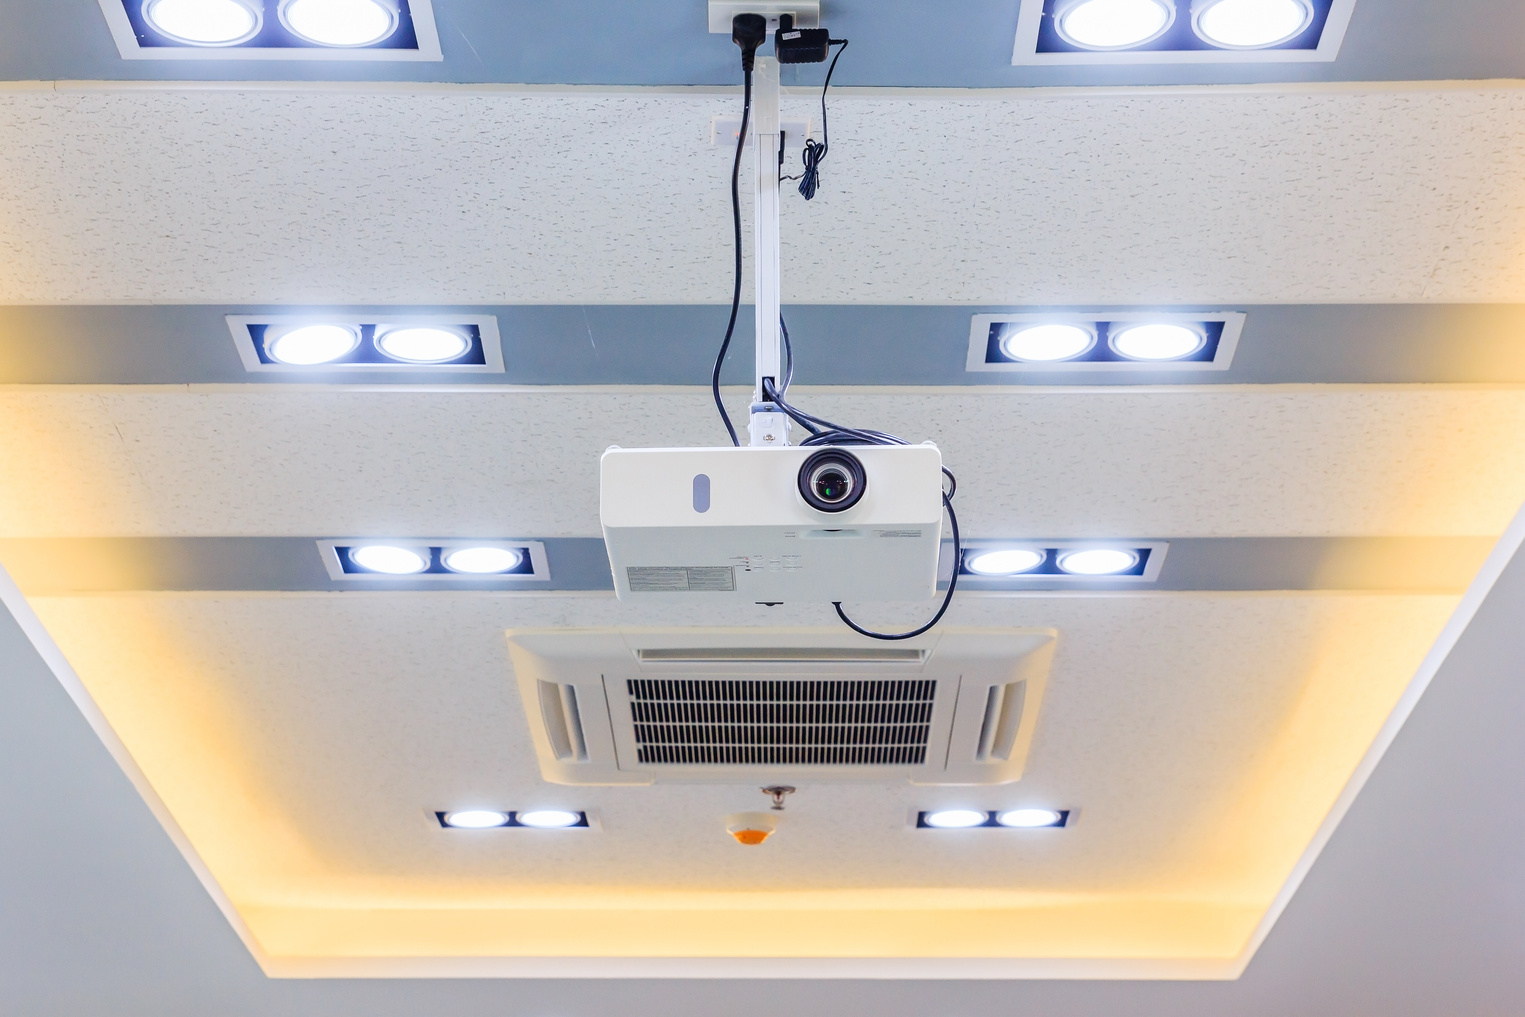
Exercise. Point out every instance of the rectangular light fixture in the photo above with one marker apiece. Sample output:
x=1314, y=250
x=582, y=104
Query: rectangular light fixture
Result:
x=318, y=342
x=1004, y=563
x=999, y=819
x=273, y=30
x=1090, y=341
x=527, y=819
x=429, y=560
x=1180, y=31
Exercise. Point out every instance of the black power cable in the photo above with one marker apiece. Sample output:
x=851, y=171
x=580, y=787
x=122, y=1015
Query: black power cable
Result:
x=749, y=31
x=815, y=152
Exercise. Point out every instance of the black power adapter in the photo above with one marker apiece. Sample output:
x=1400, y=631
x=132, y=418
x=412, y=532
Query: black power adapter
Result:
x=800, y=45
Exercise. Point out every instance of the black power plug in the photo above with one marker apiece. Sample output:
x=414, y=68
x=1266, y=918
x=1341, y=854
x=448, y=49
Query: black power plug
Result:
x=749, y=31
x=800, y=45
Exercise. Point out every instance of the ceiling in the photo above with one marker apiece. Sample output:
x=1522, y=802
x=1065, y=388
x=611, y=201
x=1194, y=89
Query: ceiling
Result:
x=247, y=734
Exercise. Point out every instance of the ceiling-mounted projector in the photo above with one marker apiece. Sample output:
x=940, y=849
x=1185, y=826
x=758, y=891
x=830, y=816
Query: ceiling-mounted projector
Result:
x=797, y=523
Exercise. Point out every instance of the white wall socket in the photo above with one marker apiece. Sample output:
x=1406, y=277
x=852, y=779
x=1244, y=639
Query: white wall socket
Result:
x=807, y=13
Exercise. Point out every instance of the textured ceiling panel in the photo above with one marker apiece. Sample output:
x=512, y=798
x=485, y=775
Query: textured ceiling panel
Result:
x=300, y=741
x=1227, y=461
x=302, y=195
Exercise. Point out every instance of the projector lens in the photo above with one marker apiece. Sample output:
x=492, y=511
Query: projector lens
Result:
x=832, y=480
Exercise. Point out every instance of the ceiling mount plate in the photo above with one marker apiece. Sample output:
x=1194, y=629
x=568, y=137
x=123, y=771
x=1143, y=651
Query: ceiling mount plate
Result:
x=807, y=13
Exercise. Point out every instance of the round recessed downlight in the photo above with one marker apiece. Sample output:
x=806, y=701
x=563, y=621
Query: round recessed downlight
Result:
x=422, y=344
x=1097, y=561
x=205, y=22
x=1047, y=342
x=1161, y=341
x=308, y=345
x=389, y=559
x=340, y=22
x=1250, y=24
x=482, y=561
x=1005, y=562
x=1113, y=24
x=476, y=819
x=955, y=819
x=1029, y=818
x=548, y=819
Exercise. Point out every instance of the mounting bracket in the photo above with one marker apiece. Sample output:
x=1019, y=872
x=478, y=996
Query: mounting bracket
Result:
x=769, y=426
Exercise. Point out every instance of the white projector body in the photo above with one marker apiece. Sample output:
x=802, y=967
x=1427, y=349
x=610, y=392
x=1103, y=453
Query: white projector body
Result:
x=732, y=524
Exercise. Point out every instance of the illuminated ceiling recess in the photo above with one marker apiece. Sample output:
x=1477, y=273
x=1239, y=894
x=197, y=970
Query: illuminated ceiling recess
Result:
x=273, y=29
x=1179, y=31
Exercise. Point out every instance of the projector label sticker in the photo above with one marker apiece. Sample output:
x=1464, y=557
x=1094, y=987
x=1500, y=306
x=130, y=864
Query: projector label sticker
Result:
x=681, y=579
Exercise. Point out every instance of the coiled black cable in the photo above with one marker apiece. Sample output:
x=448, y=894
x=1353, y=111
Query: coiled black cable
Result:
x=815, y=151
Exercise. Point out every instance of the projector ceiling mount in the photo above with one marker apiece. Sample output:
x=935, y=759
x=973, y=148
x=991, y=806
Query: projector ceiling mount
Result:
x=849, y=513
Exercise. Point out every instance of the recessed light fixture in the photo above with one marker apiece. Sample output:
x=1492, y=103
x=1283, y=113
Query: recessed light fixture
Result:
x=1028, y=819
x=205, y=22
x=1046, y=343
x=1021, y=563
x=1080, y=341
x=535, y=819
x=1157, y=341
x=1097, y=561
x=1112, y=24
x=422, y=344
x=364, y=30
x=1006, y=561
x=326, y=341
x=1011, y=819
x=390, y=559
x=474, y=819
x=955, y=819
x=1179, y=31
x=1250, y=24
x=483, y=560
x=347, y=23
x=309, y=345
x=466, y=563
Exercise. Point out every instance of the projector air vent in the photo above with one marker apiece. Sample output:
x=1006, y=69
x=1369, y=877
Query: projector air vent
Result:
x=850, y=723
x=637, y=706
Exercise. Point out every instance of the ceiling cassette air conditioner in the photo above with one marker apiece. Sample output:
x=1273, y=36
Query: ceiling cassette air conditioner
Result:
x=642, y=706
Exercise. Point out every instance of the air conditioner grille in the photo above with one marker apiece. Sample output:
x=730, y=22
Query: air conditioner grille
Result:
x=780, y=722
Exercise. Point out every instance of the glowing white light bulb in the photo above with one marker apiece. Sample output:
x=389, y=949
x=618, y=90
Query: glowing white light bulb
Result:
x=308, y=345
x=422, y=344
x=475, y=819
x=389, y=558
x=1005, y=562
x=483, y=560
x=203, y=22
x=1157, y=341
x=548, y=819
x=1097, y=561
x=1028, y=818
x=340, y=22
x=1250, y=24
x=1047, y=342
x=1113, y=24
x=955, y=819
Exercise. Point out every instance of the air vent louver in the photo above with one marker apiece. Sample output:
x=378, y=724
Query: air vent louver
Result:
x=773, y=723
x=761, y=705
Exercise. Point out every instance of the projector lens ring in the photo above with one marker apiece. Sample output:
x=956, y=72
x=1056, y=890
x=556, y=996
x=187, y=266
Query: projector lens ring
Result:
x=832, y=480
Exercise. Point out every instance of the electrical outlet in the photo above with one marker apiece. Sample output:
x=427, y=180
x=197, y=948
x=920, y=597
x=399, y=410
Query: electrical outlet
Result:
x=807, y=13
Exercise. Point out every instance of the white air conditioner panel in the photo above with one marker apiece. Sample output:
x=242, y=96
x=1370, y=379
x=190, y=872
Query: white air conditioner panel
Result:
x=637, y=706
x=730, y=524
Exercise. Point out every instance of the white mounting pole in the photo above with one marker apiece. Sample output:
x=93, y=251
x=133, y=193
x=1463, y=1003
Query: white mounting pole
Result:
x=768, y=427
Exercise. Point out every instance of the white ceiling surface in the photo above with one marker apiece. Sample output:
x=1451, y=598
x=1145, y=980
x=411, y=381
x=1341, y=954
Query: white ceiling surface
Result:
x=354, y=716
x=1286, y=194
x=1199, y=462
